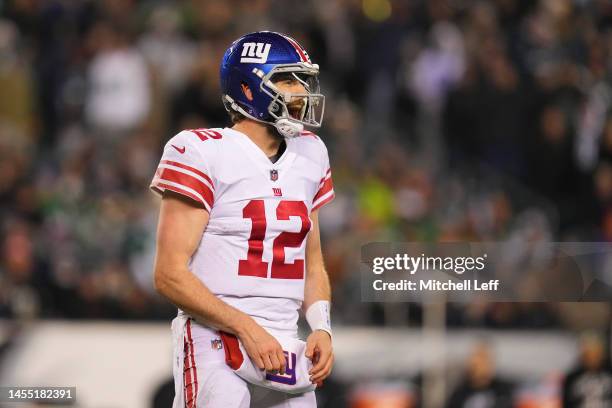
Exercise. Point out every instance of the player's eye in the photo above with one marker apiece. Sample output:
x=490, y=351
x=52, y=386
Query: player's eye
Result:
x=285, y=78
x=303, y=77
x=310, y=82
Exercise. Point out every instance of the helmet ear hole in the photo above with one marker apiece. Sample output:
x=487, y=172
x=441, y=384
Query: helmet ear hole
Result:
x=246, y=90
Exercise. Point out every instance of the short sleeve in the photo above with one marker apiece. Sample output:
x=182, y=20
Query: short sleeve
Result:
x=185, y=169
x=325, y=192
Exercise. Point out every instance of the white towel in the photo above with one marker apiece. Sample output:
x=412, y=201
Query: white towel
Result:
x=296, y=379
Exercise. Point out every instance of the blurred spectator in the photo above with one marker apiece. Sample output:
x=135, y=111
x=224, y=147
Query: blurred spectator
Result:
x=481, y=388
x=119, y=97
x=590, y=383
x=166, y=48
x=16, y=110
x=22, y=279
x=439, y=67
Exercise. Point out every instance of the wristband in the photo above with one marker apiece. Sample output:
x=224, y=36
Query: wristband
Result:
x=318, y=316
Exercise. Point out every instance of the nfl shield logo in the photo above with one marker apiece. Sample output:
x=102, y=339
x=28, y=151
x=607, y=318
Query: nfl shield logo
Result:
x=216, y=344
x=273, y=175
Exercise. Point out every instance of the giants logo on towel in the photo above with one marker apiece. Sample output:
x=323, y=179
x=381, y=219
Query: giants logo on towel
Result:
x=289, y=377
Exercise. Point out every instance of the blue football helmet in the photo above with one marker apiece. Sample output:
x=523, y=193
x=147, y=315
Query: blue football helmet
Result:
x=258, y=60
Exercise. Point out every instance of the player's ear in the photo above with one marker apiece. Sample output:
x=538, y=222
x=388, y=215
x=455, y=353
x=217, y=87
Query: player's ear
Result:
x=247, y=91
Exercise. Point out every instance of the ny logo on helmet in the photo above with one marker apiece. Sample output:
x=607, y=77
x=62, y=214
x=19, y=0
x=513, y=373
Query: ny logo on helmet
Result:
x=255, y=53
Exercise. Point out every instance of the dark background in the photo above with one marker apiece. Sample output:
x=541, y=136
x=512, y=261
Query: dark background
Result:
x=445, y=121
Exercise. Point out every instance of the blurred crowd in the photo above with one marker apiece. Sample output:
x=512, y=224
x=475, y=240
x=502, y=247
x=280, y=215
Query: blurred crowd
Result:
x=446, y=121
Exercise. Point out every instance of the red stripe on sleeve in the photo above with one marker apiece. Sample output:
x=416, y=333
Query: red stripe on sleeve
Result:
x=326, y=174
x=188, y=181
x=192, y=169
x=325, y=188
x=322, y=203
x=160, y=187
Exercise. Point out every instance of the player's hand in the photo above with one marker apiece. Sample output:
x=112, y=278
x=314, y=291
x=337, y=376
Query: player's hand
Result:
x=319, y=351
x=265, y=351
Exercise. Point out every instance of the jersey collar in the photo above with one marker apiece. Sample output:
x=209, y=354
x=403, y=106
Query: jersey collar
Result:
x=259, y=158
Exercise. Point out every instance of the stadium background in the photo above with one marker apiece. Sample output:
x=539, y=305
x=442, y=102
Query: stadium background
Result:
x=446, y=121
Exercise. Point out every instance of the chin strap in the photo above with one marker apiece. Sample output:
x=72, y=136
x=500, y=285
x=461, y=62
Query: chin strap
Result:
x=286, y=127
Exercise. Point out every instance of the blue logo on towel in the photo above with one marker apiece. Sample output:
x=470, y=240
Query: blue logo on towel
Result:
x=289, y=377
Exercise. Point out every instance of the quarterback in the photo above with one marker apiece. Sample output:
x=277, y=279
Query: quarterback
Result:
x=238, y=248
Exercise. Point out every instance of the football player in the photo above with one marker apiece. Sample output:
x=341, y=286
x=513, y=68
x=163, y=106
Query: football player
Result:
x=238, y=248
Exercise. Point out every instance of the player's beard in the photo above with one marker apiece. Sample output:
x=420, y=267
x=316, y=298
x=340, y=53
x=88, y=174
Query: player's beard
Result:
x=294, y=108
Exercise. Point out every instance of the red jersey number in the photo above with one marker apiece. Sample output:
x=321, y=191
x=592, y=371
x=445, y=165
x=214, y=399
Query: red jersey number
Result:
x=205, y=134
x=254, y=265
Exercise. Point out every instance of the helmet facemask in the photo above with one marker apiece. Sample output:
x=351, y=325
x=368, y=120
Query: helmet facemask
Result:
x=292, y=111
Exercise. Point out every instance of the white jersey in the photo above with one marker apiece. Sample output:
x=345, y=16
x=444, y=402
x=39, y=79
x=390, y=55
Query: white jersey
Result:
x=252, y=253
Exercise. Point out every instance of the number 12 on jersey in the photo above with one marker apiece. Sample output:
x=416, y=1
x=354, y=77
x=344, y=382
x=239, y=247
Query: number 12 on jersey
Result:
x=254, y=265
